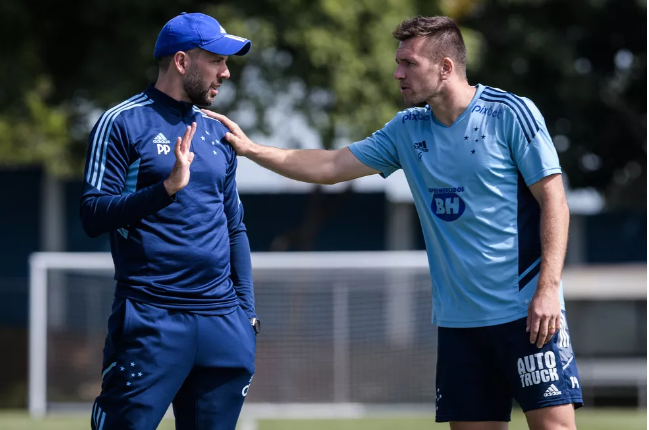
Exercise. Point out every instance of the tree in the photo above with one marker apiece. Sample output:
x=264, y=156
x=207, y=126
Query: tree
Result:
x=582, y=62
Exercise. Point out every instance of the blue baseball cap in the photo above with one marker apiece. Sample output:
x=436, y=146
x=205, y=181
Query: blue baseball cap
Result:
x=196, y=30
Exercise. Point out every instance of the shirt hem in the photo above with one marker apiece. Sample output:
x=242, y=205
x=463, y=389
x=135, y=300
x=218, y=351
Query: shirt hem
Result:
x=578, y=401
x=359, y=155
x=202, y=308
x=480, y=323
x=536, y=178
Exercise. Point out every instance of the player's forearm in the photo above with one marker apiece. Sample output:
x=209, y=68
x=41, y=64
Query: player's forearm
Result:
x=241, y=271
x=306, y=165
x=100, y=214
x=555, y=219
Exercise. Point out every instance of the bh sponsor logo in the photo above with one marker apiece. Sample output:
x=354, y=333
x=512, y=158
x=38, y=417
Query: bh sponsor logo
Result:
x=415, y=116
x=447, y=205
x=537, y=368
x=495, y=113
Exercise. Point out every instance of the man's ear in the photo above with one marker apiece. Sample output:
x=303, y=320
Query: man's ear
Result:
x=182, y=62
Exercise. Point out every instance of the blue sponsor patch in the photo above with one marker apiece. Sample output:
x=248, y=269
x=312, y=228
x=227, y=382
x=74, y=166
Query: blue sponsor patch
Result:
x=447, y=206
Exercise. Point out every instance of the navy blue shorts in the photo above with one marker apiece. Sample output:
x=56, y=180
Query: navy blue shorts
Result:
x=481, y=370
x=155, y=357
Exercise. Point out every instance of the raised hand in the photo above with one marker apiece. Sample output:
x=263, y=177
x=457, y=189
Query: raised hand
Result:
x=236, y=138
x=179, y=176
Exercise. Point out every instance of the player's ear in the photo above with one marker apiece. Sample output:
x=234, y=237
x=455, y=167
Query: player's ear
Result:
x=181, y=62
x=447, y=68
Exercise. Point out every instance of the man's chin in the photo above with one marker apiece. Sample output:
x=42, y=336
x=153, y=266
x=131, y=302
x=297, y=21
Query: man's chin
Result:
x=411, y=102
x=204, y=103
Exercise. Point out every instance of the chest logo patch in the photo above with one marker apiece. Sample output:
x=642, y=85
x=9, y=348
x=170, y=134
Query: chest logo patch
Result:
x=162, y=142
x=447, y=205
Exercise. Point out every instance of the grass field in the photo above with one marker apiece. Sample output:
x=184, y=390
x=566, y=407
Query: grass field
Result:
x=587, y=419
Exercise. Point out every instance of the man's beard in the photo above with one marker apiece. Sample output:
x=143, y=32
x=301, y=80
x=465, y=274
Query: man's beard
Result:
x=197, y=91
x=416, y=101
x=421, y=99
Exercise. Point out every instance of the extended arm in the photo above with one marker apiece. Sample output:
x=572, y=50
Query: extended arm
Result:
x=309, y=165
x=545, y=308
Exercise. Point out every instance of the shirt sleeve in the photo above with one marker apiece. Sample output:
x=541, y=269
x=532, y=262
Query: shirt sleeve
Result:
x=240, y=264
x=104, y=204
x=379, y=151
x=532, y=147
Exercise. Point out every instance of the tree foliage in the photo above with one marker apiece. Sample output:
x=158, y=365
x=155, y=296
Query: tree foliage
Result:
x=582, y=62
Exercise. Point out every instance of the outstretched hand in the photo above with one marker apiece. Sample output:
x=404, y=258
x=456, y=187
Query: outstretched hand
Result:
x=236, y=138
x=179, y=176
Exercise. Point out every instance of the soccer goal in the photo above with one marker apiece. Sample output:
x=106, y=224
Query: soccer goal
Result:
x=344, y=334
x=338, y=330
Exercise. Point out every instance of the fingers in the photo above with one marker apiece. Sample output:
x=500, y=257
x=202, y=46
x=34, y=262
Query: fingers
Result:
x=183, y=140
x=189, y=135
x=187, y=138
x=534, y=328
x=177, y=148
x=555, y=323
x=543, y=333
x=222, y=118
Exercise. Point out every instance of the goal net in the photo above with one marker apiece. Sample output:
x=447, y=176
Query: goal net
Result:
x=337, y=329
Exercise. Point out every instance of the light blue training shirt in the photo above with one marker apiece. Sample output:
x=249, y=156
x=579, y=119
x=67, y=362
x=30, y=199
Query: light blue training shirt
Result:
x=470, y=185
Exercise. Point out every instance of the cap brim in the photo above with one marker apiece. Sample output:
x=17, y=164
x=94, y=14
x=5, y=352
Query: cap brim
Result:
x=229, y=45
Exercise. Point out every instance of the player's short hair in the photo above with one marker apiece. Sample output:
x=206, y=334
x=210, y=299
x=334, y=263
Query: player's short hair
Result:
x=445, y=37
x=165, y=62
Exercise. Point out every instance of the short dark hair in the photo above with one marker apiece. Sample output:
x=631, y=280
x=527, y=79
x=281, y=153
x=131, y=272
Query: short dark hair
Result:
x=165, y=62
x=443, y=33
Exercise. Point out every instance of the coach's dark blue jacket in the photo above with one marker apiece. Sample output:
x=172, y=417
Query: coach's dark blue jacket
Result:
x=189, y=251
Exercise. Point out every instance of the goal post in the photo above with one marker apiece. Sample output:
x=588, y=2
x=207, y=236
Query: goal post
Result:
x=343, y=332
x=39, y=265
x=335, y=277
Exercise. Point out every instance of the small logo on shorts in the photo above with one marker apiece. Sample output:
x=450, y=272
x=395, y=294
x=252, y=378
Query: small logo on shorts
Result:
x=244, y=392
x=551, y=391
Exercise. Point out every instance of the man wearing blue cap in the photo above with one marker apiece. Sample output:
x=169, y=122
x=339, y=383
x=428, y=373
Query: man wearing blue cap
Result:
x=183, y=323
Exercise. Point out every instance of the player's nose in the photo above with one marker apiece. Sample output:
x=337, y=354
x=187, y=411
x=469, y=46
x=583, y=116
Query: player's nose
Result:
x=399, y=74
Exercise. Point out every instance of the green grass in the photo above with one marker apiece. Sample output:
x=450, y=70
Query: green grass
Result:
x=587, y=419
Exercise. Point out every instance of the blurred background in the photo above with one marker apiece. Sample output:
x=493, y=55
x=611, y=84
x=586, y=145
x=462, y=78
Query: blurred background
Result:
x=320, y=75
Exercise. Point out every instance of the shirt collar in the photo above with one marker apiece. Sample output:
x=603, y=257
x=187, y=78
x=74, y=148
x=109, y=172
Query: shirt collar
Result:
x=175, y=106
